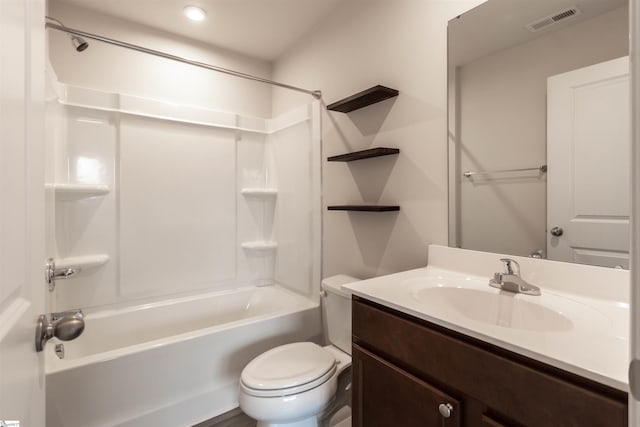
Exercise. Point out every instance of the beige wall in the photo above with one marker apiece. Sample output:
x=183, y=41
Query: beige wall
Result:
x=119, y=70
x=503, y=125
x=400, y=44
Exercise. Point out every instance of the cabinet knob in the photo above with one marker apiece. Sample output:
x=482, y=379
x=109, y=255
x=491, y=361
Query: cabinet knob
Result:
x=446, y=409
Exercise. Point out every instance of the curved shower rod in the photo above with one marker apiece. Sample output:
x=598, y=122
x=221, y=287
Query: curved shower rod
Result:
x=315, y=93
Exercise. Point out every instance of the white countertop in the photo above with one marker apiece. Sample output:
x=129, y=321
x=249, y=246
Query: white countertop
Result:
x=581, y=333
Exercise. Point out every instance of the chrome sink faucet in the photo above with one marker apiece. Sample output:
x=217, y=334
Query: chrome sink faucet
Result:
x=511, y=281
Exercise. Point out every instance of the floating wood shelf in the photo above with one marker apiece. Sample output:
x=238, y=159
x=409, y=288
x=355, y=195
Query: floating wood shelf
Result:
x=364, y=154
x=362, y=99
x=364, y=208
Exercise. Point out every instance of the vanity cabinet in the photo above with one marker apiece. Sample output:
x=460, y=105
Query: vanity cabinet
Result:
x=390, y=396
x=406, y=371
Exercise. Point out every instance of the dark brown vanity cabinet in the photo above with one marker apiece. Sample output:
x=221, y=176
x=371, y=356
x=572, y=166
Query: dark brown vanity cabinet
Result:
x=409, y=372
x=389, y=396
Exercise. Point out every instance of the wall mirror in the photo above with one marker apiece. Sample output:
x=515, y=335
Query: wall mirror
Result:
x=539, y=139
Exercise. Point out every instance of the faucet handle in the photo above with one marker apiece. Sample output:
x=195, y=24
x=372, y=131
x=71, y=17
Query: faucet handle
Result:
x=65, y=326
x=508, y=262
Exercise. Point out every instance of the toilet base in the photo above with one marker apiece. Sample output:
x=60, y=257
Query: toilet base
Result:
x=298, y=410
x=302, y=409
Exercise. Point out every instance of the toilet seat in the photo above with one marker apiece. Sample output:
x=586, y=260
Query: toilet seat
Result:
x=288, y=369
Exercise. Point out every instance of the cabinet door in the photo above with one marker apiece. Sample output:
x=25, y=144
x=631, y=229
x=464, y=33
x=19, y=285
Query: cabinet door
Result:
x=488, y=421
x=385, y=395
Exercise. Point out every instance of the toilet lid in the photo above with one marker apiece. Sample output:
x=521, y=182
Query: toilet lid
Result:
x=288, y=366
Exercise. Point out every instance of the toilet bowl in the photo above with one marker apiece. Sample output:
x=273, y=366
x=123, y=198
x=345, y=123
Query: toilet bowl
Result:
x=291, y=385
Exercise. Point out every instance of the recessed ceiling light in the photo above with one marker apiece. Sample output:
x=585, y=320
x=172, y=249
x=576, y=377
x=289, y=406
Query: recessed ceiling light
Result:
x=194, y=13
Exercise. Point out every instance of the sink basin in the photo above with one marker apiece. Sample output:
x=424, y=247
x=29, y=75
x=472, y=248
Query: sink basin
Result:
x=503, y=309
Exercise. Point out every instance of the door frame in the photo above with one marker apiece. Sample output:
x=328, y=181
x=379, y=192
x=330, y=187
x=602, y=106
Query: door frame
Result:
x=634, y=52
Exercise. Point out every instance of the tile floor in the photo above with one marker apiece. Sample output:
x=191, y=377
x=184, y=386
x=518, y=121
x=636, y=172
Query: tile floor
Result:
x=236, y=418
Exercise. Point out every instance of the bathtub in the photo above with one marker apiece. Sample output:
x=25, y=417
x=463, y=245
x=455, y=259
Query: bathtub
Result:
x=172, y=363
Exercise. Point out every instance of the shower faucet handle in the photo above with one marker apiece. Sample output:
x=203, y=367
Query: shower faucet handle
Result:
x=77, y=313
x=66, y=326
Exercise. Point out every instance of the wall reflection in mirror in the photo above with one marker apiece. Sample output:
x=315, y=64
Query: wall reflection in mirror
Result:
x=539, y=138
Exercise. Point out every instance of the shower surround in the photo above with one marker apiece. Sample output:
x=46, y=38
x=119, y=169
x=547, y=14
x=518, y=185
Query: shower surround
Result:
x=177, y=212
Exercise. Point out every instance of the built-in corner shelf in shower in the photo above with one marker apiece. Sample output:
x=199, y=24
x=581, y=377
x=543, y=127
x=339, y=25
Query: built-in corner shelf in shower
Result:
x=364, y=154
x=83, y=261
x=260, y=245
x=79, y=264
x=259, y=192
x=364, y=208
x=71, y=192
x=362, y=99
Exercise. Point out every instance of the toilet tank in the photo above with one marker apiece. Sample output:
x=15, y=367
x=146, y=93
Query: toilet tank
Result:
x=336, y=311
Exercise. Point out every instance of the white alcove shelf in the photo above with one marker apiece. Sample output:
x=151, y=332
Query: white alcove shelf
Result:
x=259, y=192
x=80, y=264
x=260, y=245
x=72, y=192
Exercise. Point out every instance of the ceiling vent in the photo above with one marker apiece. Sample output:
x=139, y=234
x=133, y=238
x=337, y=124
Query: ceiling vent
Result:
x=550, y=20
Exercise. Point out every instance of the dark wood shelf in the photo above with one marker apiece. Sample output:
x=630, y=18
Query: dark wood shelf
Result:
x=364, y=154
x=364, y=208
x=362, y=99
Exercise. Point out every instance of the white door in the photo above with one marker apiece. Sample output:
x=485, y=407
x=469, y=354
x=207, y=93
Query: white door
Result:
x=22, y=288
x=634, y=368
x=588, y=149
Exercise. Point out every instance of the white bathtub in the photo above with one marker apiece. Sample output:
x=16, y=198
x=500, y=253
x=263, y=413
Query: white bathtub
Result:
x=173, y=363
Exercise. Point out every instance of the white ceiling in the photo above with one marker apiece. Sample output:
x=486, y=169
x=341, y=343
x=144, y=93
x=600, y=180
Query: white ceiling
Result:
x=498, y=24
x=262, y=29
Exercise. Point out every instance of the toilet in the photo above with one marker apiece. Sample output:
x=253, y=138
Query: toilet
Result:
x=290, y=385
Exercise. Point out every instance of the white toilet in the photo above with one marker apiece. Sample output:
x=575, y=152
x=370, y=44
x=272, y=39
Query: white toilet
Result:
x=292, y=384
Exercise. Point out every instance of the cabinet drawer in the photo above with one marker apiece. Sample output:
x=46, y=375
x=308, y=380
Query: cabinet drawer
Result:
x=513, y=388
x=385, y=395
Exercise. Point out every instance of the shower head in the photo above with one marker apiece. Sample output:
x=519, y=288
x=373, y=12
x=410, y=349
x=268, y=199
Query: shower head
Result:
x=78, y=42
